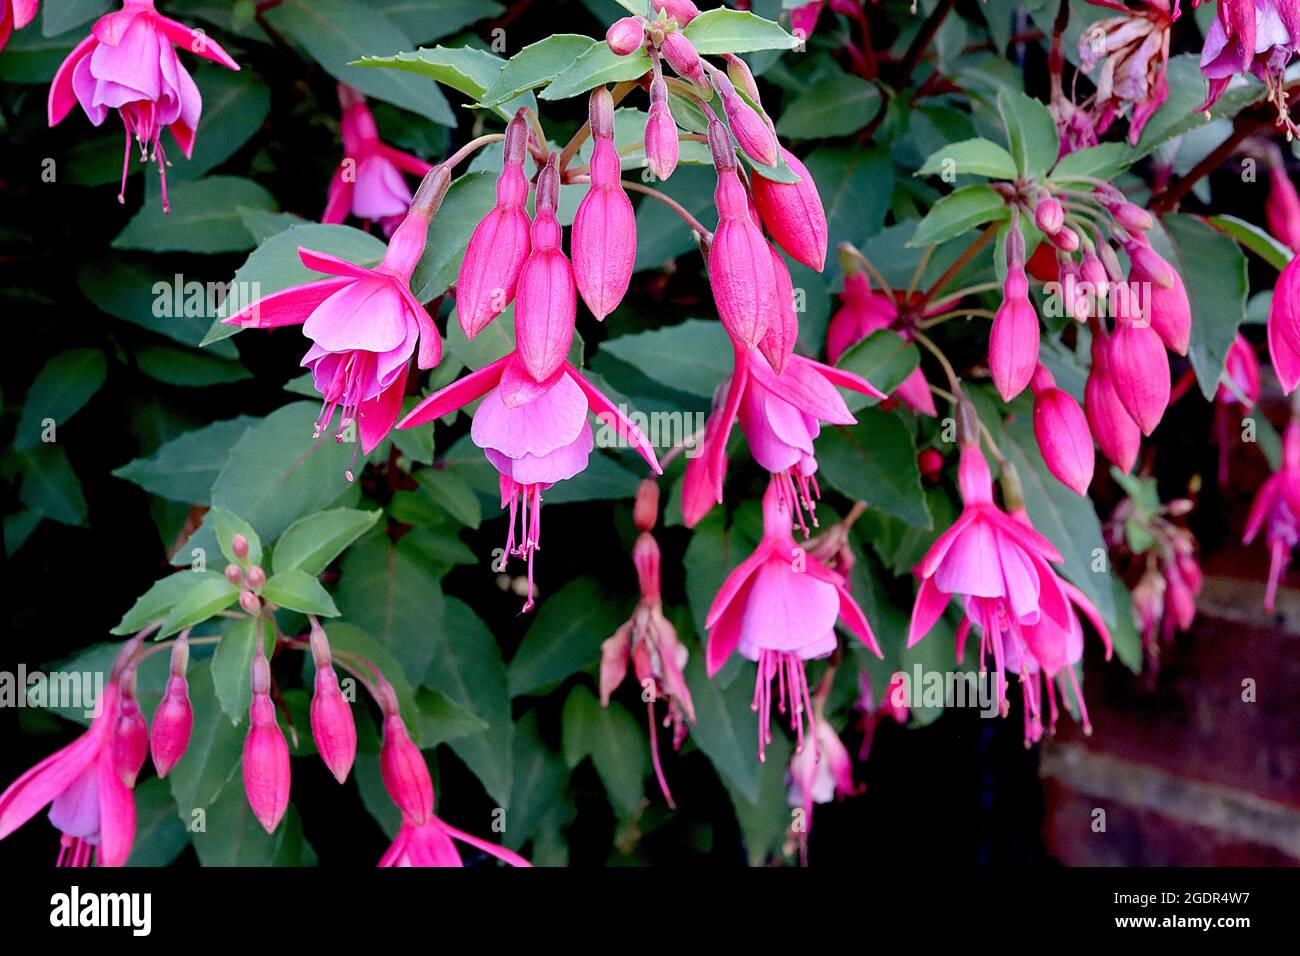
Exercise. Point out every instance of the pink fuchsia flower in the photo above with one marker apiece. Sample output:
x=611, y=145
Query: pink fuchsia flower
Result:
x=661, y=144
x=793, y=213
x=1157, y=287
x=1138, y=366
x=364, y=324
x=266, y=753
x=1277, y=508
x=1133, y=48
x=864, y=312
x=128, y=64
x=1256, y=36
x=820, y=773
x=87, y=784
x=423, y=840
x=14, y=15
x=996, y=565
x=1013, y=340
x=1114, y=430
x=534, y=434
x=1282, y=210
x=332, y=726
x=750, y=129
x=779, y=608
x=603, y=241
x=894, y=706
x=174, y=719
x=1062, y=433
x=1240, y=383
x=547, y=302
x=369, y=182
x=1284, y=326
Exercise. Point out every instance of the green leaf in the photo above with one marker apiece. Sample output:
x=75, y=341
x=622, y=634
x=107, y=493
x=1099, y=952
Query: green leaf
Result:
x=235, y=838
x=425, y=20
x=204, y=217
x=207, y=598
x=539, y=781
x=213, y=756
x=725, y=727
x=226, y=526
x=61, y=388
x=1253, y=238
x=468, y=200
x=299, y=591
x=735, y=31
x=231, y=668
x=838, y=104
x=691, y=357
x=347, y=638
x=234, y=107
x=184, y=469
x=1213, y=269
x=855, y=186
x=465, y=69
x=599, y=65
x=957, y=213
x=452, y=492
x=1180, y=113
x=58, y=18
x=536, y=65
x=875, y=461
x=1031, y=132
x=884, y=359
x=339, y=32
x=311, y=543
x=765, y=821
x=565, y=638
x=159, y=836
x=154, y=604
x=615, y=743
x=188, y=369
x=1097, y=162
x=970, y=157
x=50, y=486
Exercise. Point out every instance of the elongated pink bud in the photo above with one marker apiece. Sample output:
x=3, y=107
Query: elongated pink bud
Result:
x=683, y=11
x=1113, y=428
x=777, y=344
x=645, y=509
x=1095, y=292
x=1282, y=209
x=1049, y=217
x=1149, y=265
x=682, y=57
x=626, y=35
x=131, y=737
x=266, y=754
x=604, y=228
x=239, y=547
x=793, y=213
x=1160, y=289
x=1139, y=369
x=1065, y=239
x=332, y=725
x=547, y=300
x=1062, y=433
x=174, y=719
x=740, y=261
x=661, y=144
x=1013, y=341
x=752, y=133
x=739, y=73
x=406, y=775
x=1131, y=217
x=1284, y=326
x=495, y=256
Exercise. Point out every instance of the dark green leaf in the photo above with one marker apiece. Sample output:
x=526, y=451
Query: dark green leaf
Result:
x=311, y=543
x=875, y=461
x=565, y=638
x=61, y=389
x=204, y=217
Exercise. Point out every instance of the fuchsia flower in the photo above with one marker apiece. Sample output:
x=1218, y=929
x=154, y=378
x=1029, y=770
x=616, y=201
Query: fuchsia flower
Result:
x=14, y=15
x=1284, y=326
x=1135, y=49
x=820, y=773
x=1256, y=36
x=88, y=783
x=128, y=64
x=266, y=753
x=603, y=241
x=1165, y=304
x=779, y=608
x=750, y=129
x=793, y=213
x=1240, y=382
x=661, y=144
x=1138, y=366
x=1277, y=504
x=364, y=324
x=1062, y=433
x=369, y=183
x=685, y=60
x=547, y=302
x=174, y=719
x=534, y=434
x=423, y=840
x=1013, y=340
x=1282, y=210
x=996, y=565
x=1117, y=435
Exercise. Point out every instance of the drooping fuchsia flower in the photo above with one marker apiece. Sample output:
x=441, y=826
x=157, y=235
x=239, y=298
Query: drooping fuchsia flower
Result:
x=364, y=324
x=1277, y=505
x=649, y=641
x=1284, y=326
x=1062, y=433
x=662, y=147
x=1282, y=210
x=793, y=213
x=14, y=15
x=996, y=565
x=423, y=840
x=128, y=64
x=266, y=753
x=174, y=719
x=88, y=784
x=1137, y=363
x=534, y=434
x=1157, y=287
x=1013, y=340
x=1113, y=428
x=894, y=706
x=1256, y=36
x=604, y=228
x=779, y=608
x=820, y=773
x=1135, y=49
x=546, y=298
x=332, y=725
x=369, y=182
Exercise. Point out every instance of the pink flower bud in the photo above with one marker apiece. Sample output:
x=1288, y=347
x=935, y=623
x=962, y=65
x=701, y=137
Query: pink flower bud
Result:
x=793, y=213
x=1282, y=209
x=1013, y=341
x=332, y=726
x=1112, y=427
x=256, y=577
x=250, y=602
x=496, y=252
x=626, y=36
x=744, y=283
x=645, y=557
x=661, y=144
x=1240, y=382
x=1284, y=326
x=266, y=754
x=174, y=719
x=739, y=74
x=406, y=775
x=1062, y=433
x=683, y=11
x=645, y=510
x=547, y=299
x=778, y=342
x=604, y=228
x=1139, y=369
x=1094, y=274
x=1131, y=217
x=234, y=574
x=750, y=129
x=239, y=546
x=1049, y=217
x=131, y=737
x=1065, y=239
x=682, y=57
x=1168, y=308
x=1148, y=265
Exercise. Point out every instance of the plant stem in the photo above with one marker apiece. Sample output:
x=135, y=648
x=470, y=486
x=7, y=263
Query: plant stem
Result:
x=957, y=313
x=928, y=344
x=580, y=137
x=668, y=201
x=461, y=154
x=960, y=263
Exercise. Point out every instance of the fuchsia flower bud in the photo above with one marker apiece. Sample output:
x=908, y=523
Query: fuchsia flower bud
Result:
x=250, y=602
x=1096, y=293
x=604, y=228
x=683, y=58
x=793, y=213
x=1116, y=433
x=1062, y=433
x=1282, y=209
x=661, y=144
x=1065, y=239
x=626, y=35
x=745, y=285
x=1131, y=217
x=1240, y=381
x=547, y=300
x=1284, y=326
x=256, y=577
x=645, y=511
x=1013, y=341
x=496, y=252
x=1049, y=216
x=239, y=547
x=739, y=74
x=683, y=11
x=266, y=754
x=234, y=574
x=131, y=740
x=1139, y=369
x=750, y=129
x=778, y=342
x=930, y=461
x=1168, y=309
x=406, y=775
x=174, y=719
x=332, y=726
